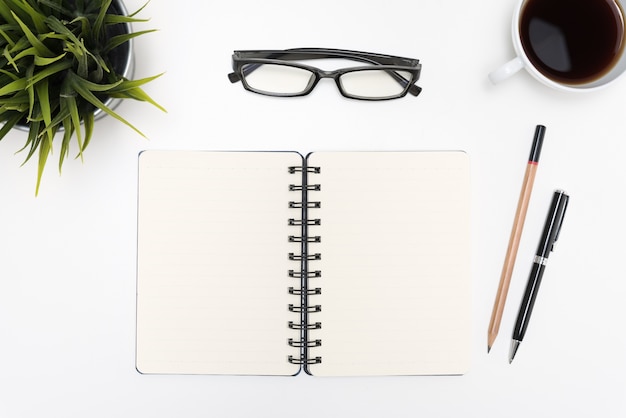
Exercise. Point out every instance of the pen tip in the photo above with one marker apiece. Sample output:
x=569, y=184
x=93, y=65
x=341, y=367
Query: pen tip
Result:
x=514, y=347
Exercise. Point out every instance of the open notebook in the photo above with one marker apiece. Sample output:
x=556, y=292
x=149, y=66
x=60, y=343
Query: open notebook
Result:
x=341, y=263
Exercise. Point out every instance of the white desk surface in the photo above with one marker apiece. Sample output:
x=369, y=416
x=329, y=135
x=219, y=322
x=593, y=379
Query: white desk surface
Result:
x=67, y=257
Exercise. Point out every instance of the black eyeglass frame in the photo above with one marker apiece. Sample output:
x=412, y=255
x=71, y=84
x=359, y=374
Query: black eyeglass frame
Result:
x=245, y=62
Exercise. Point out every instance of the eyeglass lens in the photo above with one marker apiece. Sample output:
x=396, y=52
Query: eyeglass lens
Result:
x=374, y=83
x=277, y=79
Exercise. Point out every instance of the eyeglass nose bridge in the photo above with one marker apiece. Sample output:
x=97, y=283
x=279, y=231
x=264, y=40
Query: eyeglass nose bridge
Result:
x=328, y=74
x=332, y=74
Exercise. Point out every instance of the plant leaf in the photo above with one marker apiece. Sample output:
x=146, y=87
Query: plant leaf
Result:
x=45, y=148
x=5, y=35
x=32, y=38
x=79, y=86
x=42, y=62
x=68, y=131
x=12, y=87
x=32, y=140
x=138, y=94
x=30, y=90
x=9, y=124
x=95, y=86
x=8, y=74
x=68, y=96
x=131, y=84
x=6, y=12
x=16, y=103
x=140, y=9
x=10, y=60
x=58, y=27
x=24, y=53
x=101, y=68
x=88, y=122
x=56, y=6
x=44, y=101
x=35, y=15
x=64, y=118
x=112, y=19
x=48, y=71
x=99, y=22
x=118, y=40
x=84, y=22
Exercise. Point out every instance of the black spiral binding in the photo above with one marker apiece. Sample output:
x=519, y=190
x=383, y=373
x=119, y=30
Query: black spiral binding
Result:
x=304, y=273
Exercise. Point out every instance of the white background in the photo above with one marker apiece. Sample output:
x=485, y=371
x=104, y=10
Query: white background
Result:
x=67, y=257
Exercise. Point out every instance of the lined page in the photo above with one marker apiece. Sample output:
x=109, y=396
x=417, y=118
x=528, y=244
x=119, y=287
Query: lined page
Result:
x=394, y=262
x=212, y=262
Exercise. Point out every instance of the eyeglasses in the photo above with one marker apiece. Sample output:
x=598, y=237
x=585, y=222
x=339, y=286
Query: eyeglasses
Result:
x=274, y=73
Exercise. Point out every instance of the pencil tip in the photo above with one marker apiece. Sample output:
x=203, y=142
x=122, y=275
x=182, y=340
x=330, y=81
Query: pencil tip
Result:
x=488, y=349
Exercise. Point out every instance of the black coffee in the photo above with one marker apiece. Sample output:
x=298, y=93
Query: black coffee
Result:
x=572, y=41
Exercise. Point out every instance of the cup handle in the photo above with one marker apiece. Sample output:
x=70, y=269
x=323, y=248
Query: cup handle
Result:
x=506, y=71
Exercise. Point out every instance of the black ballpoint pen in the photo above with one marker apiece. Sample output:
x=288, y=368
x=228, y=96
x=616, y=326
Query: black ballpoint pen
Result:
x=549, y=236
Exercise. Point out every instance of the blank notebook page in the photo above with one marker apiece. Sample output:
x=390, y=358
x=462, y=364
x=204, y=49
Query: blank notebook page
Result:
x=212, y=263
x=394, y=263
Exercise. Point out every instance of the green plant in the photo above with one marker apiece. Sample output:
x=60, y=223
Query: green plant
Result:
x=57, y=67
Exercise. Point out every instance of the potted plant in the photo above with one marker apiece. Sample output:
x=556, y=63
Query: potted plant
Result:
x=62, y=64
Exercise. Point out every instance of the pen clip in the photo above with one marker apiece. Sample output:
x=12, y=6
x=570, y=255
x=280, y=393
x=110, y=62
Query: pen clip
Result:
x=564, y=201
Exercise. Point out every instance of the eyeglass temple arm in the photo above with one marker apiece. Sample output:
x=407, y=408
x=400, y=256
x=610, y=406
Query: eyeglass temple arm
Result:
x=313, y=53
x=415, y=90
x=234, y=77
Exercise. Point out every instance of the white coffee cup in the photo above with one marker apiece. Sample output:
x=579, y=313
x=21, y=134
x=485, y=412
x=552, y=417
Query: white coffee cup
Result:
x=522, y=61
